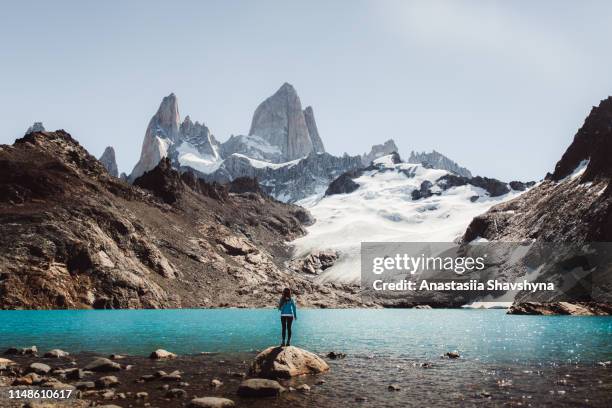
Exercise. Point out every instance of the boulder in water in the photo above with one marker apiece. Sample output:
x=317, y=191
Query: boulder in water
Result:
x=5, y=363
x=211, y=402
x=22, y=351
x=56, y=353
x=286, y=362
x=102, y=364
x=161, y=354
x=260, y=387
x=39, y=368
x=333, y=355
x=107, y=381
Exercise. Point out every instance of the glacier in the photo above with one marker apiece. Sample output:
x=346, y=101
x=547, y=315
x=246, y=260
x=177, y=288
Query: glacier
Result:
x=382, y=210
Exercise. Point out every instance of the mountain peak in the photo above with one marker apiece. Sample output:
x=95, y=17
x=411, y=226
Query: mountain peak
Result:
x=287, y=87
x=437, y=160
x=36, y=127
x=109, y=162
x=163, y=130
x=592, y=144
x=280, y=121
x=379, y=150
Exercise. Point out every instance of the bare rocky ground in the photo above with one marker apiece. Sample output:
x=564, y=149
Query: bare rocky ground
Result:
x=75, y=237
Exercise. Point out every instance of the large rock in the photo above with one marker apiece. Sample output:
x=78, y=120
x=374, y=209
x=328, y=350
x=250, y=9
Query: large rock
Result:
x=56, y=353
x=5, y=363
x=260, y=387
x=39, y=368
x=107, y=381
x=161, y=354
x=102, y=365
x=286, y=362
x=109, y=162
x=344, y=184
x=211, y=402
x=280, y=121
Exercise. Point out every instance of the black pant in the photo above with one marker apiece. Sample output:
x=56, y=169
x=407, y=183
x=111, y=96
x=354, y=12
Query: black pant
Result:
x=286, y=322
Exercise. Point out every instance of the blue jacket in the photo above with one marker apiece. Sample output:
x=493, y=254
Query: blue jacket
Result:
x=287, y=307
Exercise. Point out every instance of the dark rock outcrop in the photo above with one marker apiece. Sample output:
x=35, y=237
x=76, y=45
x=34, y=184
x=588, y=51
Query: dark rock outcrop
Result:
x=521, y=186
x=424, y=191
x=163, y=181
x=344, y=184
x=242, y=185
x=492, y=186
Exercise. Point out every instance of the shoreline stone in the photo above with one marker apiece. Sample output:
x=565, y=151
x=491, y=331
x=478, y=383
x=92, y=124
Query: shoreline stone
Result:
x=286, y=362
x=260, y=387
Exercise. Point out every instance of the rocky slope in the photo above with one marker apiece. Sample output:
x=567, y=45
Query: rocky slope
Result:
x=572, y=205
x=109, y=162
x=76, y=237
x=438, y=161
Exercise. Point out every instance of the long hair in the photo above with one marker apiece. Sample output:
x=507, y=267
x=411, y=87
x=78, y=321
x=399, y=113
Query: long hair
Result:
x=286, y=296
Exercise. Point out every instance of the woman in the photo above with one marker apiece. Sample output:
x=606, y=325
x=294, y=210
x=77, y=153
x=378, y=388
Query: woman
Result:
x=288, y=313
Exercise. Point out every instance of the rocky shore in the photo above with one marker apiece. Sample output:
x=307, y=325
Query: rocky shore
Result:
x=163, y=379
x=561, y=308
x=290, y=376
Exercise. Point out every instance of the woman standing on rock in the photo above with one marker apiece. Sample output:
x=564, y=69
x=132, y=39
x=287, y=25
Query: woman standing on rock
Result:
x=288, y=313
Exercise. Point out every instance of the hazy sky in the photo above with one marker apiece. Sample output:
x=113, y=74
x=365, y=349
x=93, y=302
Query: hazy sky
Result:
x=500, y=87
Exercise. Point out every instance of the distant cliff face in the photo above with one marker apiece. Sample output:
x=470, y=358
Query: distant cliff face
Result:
x=281, y=122
x=438, y=161
x=311, y=124
x=75, y=237
x=109, y=162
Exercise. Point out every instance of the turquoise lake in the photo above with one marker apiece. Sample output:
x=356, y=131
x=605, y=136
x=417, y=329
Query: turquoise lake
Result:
x=482, y=335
